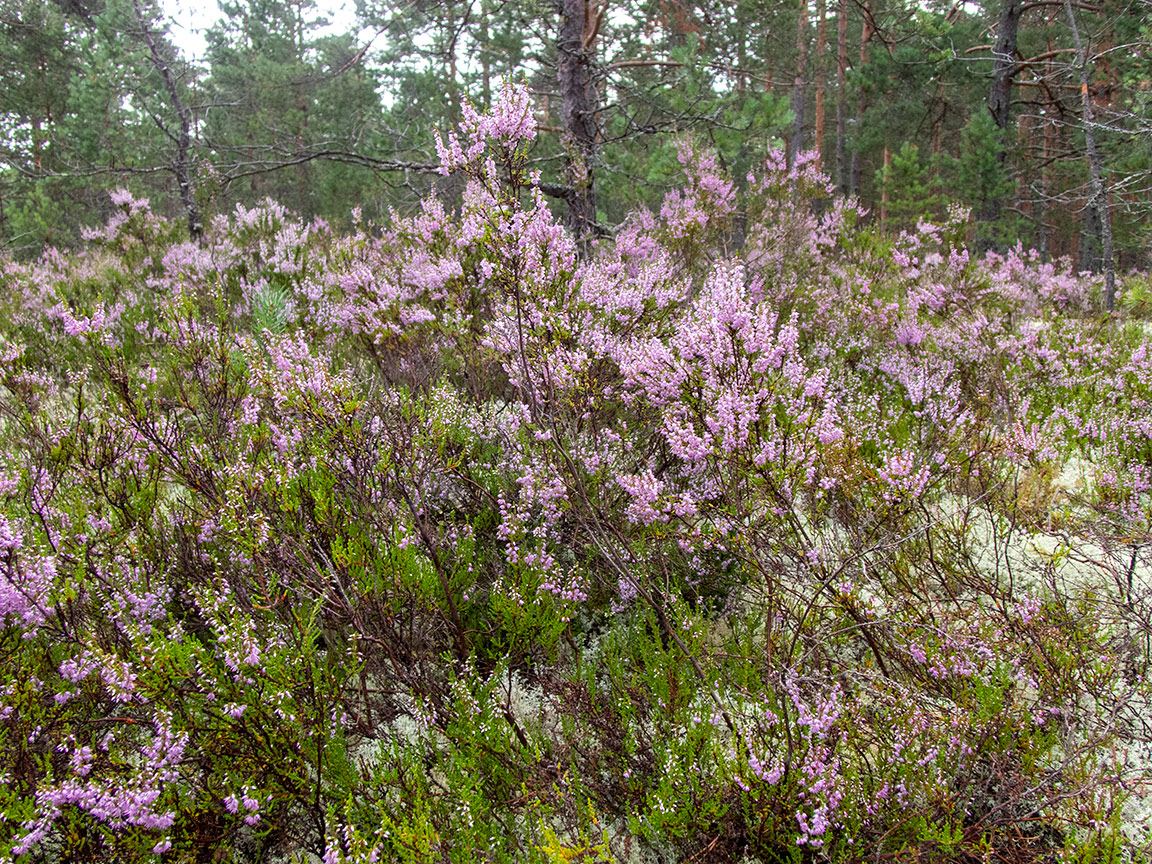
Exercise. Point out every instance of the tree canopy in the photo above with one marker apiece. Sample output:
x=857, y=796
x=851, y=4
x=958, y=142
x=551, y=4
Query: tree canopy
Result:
x=995, y=106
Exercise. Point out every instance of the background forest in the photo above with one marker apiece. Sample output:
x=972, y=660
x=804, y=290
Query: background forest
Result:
x=912, y=108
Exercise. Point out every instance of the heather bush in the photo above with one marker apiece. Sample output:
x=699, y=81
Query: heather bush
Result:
x=748, y=534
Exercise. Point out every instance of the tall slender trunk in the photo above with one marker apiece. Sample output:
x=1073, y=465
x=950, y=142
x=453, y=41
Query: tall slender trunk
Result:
x=939, y=112
x=37, y=145
x=884, y=196
x=865, y=38
x=821, y=78
x=1043, y=234
x=578, y=103
x=450, y=32
x=38, y=137
x=1089, y=248
x=1004, y=69
x=799, y=83
x=181, y=160
x=302, y=184
x=769, y=53
x=741, y=61
x=485, y=58
x=1047, y=148
x=842, y=97
x=1095, y=163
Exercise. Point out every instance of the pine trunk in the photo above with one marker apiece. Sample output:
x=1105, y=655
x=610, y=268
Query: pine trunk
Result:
x=842, y=97
x=865, y=38
x=1102, y=220
x=821, y=83
x=1004, y=69
x=578, y=104
x=182, y=158
x=884, y=199
x=799, y=83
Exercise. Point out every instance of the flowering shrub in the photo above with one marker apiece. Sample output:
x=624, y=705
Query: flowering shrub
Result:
x=749, y=534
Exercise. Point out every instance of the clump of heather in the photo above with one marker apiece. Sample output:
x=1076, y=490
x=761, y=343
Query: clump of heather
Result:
x=745, y=533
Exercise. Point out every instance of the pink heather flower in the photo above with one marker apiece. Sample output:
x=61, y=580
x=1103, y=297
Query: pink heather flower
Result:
x=1027, y=608
x=509, y=123
x=902, y=476
x=645, y=491
x=9, y=539
x=81, y=761
x=909, y=334
x=1029, y=442
x=24, y=593
x=511, y=120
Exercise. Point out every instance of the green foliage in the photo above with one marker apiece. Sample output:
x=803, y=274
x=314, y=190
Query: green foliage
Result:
x=913, y=189
x=980, y=169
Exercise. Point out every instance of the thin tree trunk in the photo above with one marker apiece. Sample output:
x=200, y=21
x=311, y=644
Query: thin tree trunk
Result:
x=799, y=83
x=303, y=185
x=842, y=97
x=1095, y=169
x=485, y=58
x=884, y=197
x=451, y=31
x=937, y=183
x=1089, y=254
x=821, y=82
x=741, y=62
x=1048, y=147
x=939, y=111
x=38, y=137
x=1043, y=239
x=865, y=38
x=769, y=53
x=37, y=145
x=1004, y=69
x=183, y=138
